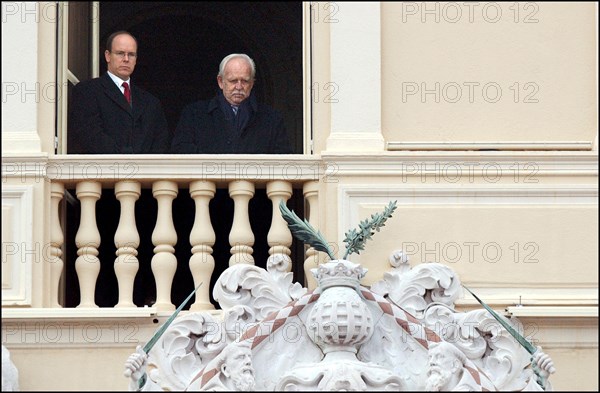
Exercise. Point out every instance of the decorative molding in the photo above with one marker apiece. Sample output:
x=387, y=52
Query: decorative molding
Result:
x=562, y=332
x=73, y=333
x=531, y=296
x=259, y=168
x=77, y=313
x=449, y=167
x=497, y=145
x=18, y=202
x=466, y=166
x=26, y=168
x=20, y=157
x=82, y=328
x=553, y=311
x=352, y=197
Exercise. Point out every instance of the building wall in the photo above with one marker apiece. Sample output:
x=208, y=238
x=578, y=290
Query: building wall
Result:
x=519, y=226
x=512, y=71
x=488, y=184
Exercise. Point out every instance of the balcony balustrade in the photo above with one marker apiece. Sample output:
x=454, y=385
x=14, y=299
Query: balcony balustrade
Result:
x=166, y=176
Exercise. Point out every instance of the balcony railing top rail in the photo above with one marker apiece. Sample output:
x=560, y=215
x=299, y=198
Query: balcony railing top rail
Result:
x=258, y=169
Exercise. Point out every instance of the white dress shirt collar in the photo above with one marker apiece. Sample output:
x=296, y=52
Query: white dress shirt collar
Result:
x=118, y=81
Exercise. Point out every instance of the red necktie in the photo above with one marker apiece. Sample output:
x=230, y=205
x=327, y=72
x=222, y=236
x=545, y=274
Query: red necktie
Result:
x=127, y=92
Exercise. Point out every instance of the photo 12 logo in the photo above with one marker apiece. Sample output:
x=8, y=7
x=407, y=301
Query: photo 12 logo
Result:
x=472, y=252
x=469, y=91
x=471, y=12
x=33, y=92
x=69, y=333
x=455, y=172
x=50, y=12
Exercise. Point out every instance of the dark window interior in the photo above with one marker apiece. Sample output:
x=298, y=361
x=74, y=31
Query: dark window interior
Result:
x=181, y=44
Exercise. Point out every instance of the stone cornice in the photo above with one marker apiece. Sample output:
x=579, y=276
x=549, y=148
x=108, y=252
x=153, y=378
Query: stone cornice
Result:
x=475, y=163
x=262, y=168
x=109, y=168
x=553, y=311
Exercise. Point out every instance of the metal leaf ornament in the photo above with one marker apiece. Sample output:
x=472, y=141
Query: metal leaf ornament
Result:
x=520, y=339
x=355, y=239
x=304, y=231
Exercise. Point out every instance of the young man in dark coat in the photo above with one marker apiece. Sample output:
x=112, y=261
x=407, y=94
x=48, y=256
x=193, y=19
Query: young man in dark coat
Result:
x=110, y=115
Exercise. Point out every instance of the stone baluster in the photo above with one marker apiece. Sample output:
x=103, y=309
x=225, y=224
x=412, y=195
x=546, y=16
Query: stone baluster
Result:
x=87, y=240
x=241, y=237
x=127, y=241
x=56, y=242
x=202, y=238
x=164, y=238
x=279, y=236
x=311, y=195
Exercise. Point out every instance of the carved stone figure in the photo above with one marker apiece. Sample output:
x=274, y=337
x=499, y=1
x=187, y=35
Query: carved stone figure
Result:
x=448, y=370
x=135, y=365
x=545, y=365
x=10, y=374
x=339, y=323
x=236, y=372
x=234, y=365
x=403, y=333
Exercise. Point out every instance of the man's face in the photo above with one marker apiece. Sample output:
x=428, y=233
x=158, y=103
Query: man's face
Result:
x=239, y=369
x=121, y=59
x=439, y=373
x=237, y=81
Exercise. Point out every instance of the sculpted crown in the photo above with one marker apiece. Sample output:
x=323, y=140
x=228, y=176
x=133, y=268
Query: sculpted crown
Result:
x=339, y=273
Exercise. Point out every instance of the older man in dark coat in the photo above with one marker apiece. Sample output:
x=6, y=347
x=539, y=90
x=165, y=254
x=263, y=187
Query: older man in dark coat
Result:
x=233, y=121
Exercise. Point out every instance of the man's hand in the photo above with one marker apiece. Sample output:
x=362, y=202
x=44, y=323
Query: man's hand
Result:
x=135, y=366
x=544, y=363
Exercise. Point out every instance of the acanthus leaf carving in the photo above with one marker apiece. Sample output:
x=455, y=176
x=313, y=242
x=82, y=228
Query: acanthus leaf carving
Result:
x=189, y=344
x=260, y=290
x=413, y=289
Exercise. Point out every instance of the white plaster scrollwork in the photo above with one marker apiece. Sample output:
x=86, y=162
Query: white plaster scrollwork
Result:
x=415, y=288
x=187, y=346
x=401, y=334
x=481, y=338
x=262, y=291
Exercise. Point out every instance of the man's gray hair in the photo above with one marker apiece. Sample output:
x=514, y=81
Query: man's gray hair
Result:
x=235, y=56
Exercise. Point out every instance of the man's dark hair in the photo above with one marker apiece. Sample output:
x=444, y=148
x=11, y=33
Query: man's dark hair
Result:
x=111, y=37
